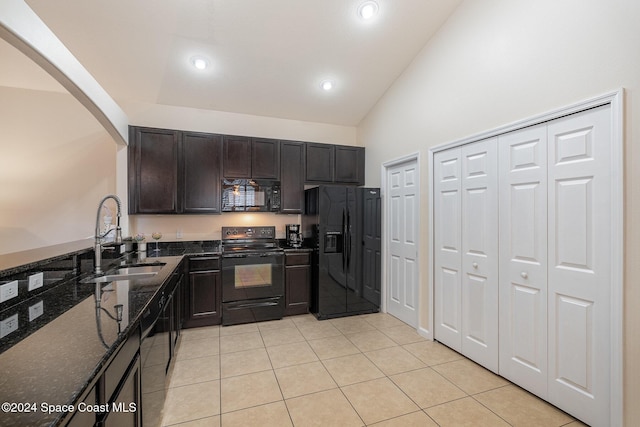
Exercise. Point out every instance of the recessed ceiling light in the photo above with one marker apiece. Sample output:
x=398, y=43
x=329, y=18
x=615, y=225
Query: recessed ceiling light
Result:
x=368, y=10
x=326, y=85
x=199, y=62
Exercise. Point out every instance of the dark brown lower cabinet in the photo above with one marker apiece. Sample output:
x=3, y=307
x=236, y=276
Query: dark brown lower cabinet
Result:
x=85, y=418
x=297, y=286
x=126, y=404
x=202, y=296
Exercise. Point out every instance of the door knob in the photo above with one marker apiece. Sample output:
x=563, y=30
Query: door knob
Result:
x=475, y=265
x=524, y=275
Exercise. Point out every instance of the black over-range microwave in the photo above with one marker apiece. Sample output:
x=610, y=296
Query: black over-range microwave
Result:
x=250, y=195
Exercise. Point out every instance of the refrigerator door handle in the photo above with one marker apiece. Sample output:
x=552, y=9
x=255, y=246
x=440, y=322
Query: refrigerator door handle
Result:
x=348, y=235
x=344, y=252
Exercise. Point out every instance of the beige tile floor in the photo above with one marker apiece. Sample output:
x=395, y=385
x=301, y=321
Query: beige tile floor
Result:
x=368, y=370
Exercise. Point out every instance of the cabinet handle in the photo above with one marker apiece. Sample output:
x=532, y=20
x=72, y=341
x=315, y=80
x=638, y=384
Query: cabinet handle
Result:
x=475, y=265
x=524, y=275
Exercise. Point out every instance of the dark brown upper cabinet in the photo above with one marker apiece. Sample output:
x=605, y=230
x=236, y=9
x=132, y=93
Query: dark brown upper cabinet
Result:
x=173, y=172
x=237, y=157
x=153, y=170
x=265, y=158
x=291, y=177
x=181, y=172
x=349, y=165
x=201, y=166
x=319, y=162
x=246, y=157
x=338, y=164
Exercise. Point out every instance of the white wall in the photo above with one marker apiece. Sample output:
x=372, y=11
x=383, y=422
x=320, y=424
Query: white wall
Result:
x=171, y=117
x=498, y=61
x=22, y=28
x=57, y=162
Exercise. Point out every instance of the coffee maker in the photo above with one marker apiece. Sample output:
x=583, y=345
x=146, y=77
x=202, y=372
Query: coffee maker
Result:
x=294, y=236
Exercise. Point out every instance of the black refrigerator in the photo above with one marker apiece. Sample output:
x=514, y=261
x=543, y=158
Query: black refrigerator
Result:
x=343, y=226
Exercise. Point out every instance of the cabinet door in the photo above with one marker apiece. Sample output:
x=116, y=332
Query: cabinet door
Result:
x=265, y=158
x=153, y=171
x=292, y=177
x=319, y=162
x=349, y=165
x=125, y=408
x=85, y=418
x=236, y=162
x=297, y=289
x=201, y=172
x=204, y=300
x=177, y=311
x=448, y=247
x=479, y=285
x=523, y=258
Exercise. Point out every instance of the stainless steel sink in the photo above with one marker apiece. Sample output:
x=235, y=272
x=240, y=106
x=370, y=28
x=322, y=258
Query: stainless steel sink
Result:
x=135, y=272
x=139, y=269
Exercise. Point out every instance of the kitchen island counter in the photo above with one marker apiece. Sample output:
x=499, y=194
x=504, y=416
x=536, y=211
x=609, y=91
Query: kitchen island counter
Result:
x=55, y=364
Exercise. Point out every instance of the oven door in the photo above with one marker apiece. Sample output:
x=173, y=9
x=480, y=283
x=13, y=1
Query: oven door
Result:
x=250, y=276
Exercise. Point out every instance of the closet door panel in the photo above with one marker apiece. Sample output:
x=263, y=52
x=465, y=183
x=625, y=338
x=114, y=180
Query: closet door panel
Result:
x=579, y=264
x=523, y=258
x=479, y=288
x=448, y=247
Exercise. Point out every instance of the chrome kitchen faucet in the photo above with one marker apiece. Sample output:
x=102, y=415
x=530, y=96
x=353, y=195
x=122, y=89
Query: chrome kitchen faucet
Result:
x=98, y=245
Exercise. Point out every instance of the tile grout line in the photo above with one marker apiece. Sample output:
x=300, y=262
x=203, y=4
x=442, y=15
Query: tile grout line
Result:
x=341, y=333
x=220, y=373
x=420, y=409
x=489, y=409
x=273, y=370
x=339, y=386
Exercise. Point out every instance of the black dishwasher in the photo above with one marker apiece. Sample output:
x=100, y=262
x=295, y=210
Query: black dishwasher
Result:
x=155, y=357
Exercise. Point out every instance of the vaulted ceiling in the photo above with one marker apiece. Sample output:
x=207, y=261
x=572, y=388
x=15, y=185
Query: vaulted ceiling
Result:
x=265, y=57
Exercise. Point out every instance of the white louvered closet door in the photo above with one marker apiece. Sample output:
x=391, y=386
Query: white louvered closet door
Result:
x=480, y=253
x=580, y=264
x=448, y=247
x=523, y=257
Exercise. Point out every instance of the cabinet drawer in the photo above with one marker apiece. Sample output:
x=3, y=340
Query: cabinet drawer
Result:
x=297, y=259
x=204, y=263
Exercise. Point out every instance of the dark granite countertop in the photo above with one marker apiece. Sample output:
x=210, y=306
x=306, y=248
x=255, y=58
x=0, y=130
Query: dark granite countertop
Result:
x=56, y=353
x=53, y=358
x=191, y=248
x=294, y=250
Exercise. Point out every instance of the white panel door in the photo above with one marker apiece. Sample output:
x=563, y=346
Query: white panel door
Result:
x=479, y=287
x=523, y=258
x=580, y=264
x=403, y=225
x=447, y=199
